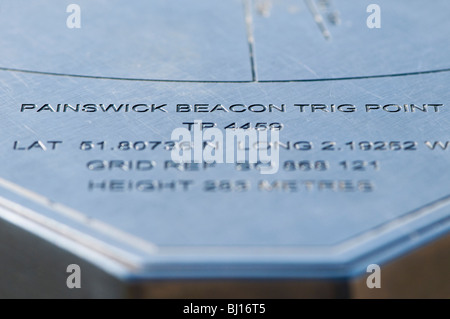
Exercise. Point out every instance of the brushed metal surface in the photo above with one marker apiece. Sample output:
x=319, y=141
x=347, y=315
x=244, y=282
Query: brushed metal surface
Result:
x=302, y=223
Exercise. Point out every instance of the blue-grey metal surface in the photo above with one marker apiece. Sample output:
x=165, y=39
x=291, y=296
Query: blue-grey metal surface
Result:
x=317, y=223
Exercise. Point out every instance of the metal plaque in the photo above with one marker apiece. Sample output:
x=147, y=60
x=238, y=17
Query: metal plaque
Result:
x=99, y=100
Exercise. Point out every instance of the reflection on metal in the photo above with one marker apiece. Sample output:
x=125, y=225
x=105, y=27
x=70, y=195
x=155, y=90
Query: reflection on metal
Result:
x=363, y=121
